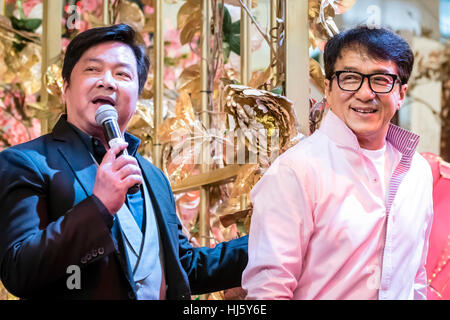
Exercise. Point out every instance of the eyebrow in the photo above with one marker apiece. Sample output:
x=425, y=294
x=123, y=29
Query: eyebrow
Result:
x=346, y=68
x=120, y=64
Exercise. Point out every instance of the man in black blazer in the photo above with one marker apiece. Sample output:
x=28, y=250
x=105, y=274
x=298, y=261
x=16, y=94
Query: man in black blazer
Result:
x=65, y=206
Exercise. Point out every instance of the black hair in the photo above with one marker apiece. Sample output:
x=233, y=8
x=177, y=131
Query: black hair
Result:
x=91, y=37
x=378, y=43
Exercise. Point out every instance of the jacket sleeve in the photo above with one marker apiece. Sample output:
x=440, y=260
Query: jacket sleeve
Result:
x=35, y=252
x=420, y=281
x=280, y=230
x=211, y=269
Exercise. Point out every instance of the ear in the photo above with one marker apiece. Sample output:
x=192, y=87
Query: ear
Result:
x=402, y=95
x=65, y=87
x=326, y=83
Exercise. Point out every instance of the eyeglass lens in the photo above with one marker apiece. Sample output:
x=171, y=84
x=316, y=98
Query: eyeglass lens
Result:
x=380, y=83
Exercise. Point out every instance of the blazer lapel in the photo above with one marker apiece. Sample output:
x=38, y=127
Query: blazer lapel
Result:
x=150, y=259
x=133, y=234
x=77, y=157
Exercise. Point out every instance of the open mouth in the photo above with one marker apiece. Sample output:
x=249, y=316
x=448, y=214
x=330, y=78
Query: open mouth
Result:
x=364, y=111
x=101, y=100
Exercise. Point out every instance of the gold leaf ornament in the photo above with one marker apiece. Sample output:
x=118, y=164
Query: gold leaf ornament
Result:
x=317, y=75
x=29, y=72
x=54, y=80
x=149, y=23
x=141, y=125
x=321, y=15
x=181, y=124
x=189, y=20
x=238, y=206
x=186, y=11
x=263, y=121
x=182, y=137
x=259, y=78
x=142, y=119
x=314, y=8
x=190, y=82
x=3, y=67
x=130, y=13
x=237, y=3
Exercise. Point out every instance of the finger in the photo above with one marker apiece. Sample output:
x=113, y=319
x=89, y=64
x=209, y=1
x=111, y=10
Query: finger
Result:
x=129, y=170
x=132, y=180
x=122, y=161
x=111, y=154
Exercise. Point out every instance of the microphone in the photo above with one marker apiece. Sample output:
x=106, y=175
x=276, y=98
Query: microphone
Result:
x=106, y=116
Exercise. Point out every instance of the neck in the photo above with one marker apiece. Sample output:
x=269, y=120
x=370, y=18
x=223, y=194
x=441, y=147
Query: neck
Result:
x=371, y=144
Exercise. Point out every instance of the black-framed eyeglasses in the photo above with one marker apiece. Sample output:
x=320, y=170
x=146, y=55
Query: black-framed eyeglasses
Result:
x=353, y=80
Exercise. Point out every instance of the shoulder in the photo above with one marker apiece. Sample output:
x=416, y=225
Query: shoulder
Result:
x=32, y=150
x=420, y=172
x=420, y=165
x=25, y=162
x=305, y=152
x=297, y=164
x=32, y=145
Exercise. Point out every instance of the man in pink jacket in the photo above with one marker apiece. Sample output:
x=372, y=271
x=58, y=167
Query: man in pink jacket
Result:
x=347, y=212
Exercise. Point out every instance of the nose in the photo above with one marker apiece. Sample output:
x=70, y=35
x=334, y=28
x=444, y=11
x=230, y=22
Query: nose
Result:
x=107, y=81
x=365, y=92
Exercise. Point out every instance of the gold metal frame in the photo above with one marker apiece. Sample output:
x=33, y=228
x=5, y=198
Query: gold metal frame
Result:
x=158, y=82
x=51, y=50
x=205, y=62
x=245, y=44
x=297, y=60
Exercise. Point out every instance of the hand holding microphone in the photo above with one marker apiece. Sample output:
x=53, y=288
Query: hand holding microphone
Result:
x=118, y=173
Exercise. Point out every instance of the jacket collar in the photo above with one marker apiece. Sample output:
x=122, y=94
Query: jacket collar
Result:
x=62, y=126
x=334, y=128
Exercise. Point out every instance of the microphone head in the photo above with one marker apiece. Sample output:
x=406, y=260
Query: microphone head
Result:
x=105, y=112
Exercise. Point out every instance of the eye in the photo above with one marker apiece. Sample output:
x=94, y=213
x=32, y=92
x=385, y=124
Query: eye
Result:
x=90, y=68
x=380, y=79
x=351, y=77
x=123, y=74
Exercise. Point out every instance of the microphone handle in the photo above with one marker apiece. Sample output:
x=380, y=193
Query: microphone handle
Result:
x=135, y=188
x=117, y=136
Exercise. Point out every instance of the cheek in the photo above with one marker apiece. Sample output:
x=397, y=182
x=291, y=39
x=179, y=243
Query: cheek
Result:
x=391, y=105
x=339, y=100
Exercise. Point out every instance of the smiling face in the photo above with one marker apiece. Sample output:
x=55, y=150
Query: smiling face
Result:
x=366, y=113
x=105, y=74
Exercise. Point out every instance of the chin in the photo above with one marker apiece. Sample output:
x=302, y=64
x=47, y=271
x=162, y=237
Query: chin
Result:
x=364, y=130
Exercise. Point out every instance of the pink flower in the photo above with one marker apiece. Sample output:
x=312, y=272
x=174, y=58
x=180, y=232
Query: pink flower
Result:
x=89, y=5
x=147, y=41
x=218, y=236
x=17, y=133
x=28, y=5
x=188, y=206
x=64, y=43
x=149, y=10
x=35, y=130
x=82, y=25
x=169, y=75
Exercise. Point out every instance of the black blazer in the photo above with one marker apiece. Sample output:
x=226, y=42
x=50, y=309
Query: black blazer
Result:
x=50, y=220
